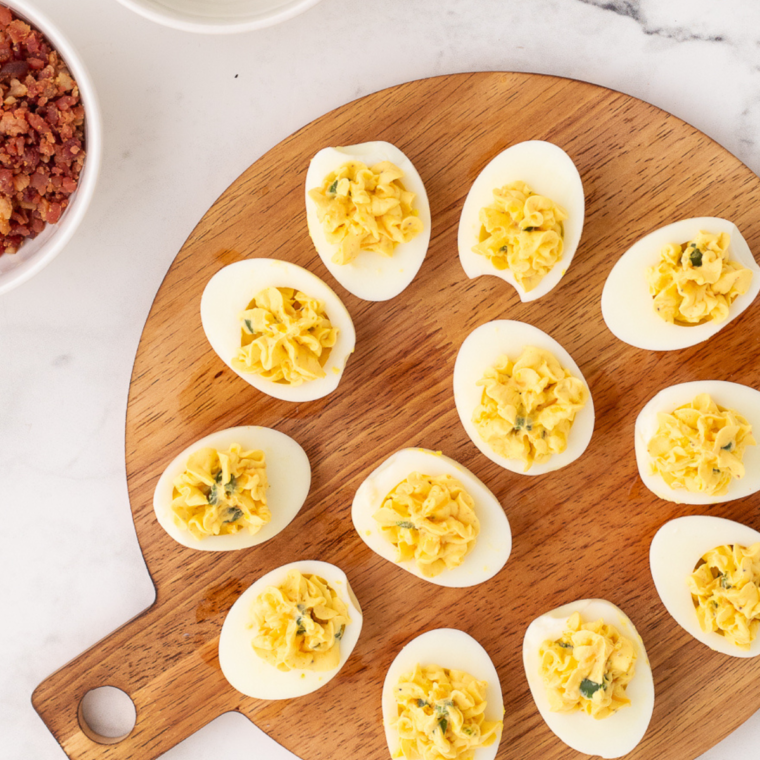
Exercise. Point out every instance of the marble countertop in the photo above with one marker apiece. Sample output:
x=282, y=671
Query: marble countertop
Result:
x=184, y=115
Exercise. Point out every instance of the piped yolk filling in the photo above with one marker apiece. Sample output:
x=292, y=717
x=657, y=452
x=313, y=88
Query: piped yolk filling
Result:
x=441, y=715
x=699, y=446
x=222, y=492
x=695, y=282
x=431, y=520
x=528, y=406
x=299, y=624
x=286, y=337
x=725, y=588
x=588, y=668
x=523, y=232
x=365, y=208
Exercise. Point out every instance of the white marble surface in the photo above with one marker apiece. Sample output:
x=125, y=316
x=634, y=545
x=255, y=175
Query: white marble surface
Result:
x=184, y=115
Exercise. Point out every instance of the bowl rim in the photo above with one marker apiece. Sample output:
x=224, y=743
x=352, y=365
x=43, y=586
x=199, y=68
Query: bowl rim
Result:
x=75, y=212
x=294, y=8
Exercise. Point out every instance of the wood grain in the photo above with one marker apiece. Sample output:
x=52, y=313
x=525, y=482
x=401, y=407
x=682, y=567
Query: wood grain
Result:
x=581, y=532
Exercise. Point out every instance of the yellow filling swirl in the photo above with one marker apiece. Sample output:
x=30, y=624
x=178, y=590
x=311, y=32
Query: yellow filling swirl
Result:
x=431, y=520
x=222, y=492
x=588, y=668
x=441, y=715
x=695, y=282
x=299, y=624
x=365, y=208
x=725, y=589
x=699, y=446
x=286, y=337
x=522, y=232
x=528, y=407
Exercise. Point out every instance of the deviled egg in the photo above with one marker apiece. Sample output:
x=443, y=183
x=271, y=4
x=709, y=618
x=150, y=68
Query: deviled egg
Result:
x=233, y=489
x=523, y=218
x=694, y=442
x=279, y=327
x=290, y=632
x=607, y=712
x=680, y=285
x=686, y=544
x=521, y=398
x=369, y=217
x=434, y=518
x=417, y=694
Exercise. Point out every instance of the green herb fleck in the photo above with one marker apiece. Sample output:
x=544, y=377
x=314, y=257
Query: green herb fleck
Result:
x=248, y=325
x=339, y=634
x=519, y=422
x=724, y=581
x=467, y=730
x=695, y=257
x=405, y=524
x=716, y=470
x=589, y=688
x=503, y=249
x=443, y=723
x=530, y=229
x=529, y=424
x=728, y=446
x=565, y=645
x=233, y=514
x=334, y=187
x=422, y=703
x=213, y=496
x=231, y=485
x=301, y=629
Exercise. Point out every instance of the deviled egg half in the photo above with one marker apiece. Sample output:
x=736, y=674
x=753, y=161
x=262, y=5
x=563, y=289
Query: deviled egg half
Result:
x=523, y=218
x=233, y=489
x=434, y=518
x=418, y=705
x=369, y=217
x=607, y=712
x=290, y=632
x=680, y=285
x=279, y=327
x=707, y=573
x=521, y=398
x=695, y=444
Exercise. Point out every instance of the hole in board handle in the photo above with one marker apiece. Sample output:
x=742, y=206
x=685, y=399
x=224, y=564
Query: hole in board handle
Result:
x=107, y=715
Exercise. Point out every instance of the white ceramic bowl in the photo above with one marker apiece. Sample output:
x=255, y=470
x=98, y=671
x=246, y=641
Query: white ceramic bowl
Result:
x=218, y=16
x=36, y=254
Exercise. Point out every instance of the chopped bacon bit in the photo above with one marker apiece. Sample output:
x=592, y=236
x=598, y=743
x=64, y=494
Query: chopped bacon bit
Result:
x=41, y=133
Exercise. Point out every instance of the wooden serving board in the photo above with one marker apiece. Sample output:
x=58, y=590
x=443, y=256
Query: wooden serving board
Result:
x=583, y=531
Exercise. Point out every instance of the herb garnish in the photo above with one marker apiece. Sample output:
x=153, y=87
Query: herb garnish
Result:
x=589, y=688
x=728, y=446
x=443, y=723
x=235, y=513
x=724, y=581
x=422, y=703
x=249, y=325
x=519, y=422
x=334, y=187
x=213, y=496
x=695, y=257
x=339, y=634
x=405, y=524
x=231, y=485
x=565, y=645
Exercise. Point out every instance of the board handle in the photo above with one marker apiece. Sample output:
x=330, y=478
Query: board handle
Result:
x=166, y=662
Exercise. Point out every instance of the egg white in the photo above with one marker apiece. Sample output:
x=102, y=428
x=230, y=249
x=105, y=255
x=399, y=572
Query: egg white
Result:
x=288, y=474
x=370, y=276
x=549, y=171
x=229, y=292
x=627, y=305
x=479, y=351
x=253, y=676
x=452, y=649
x=740, y=398
x=676, y=548
x=617, y=734
x=492, y=546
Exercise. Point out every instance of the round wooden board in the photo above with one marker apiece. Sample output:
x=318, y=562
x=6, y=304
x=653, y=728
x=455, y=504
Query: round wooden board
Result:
x=583, y=531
